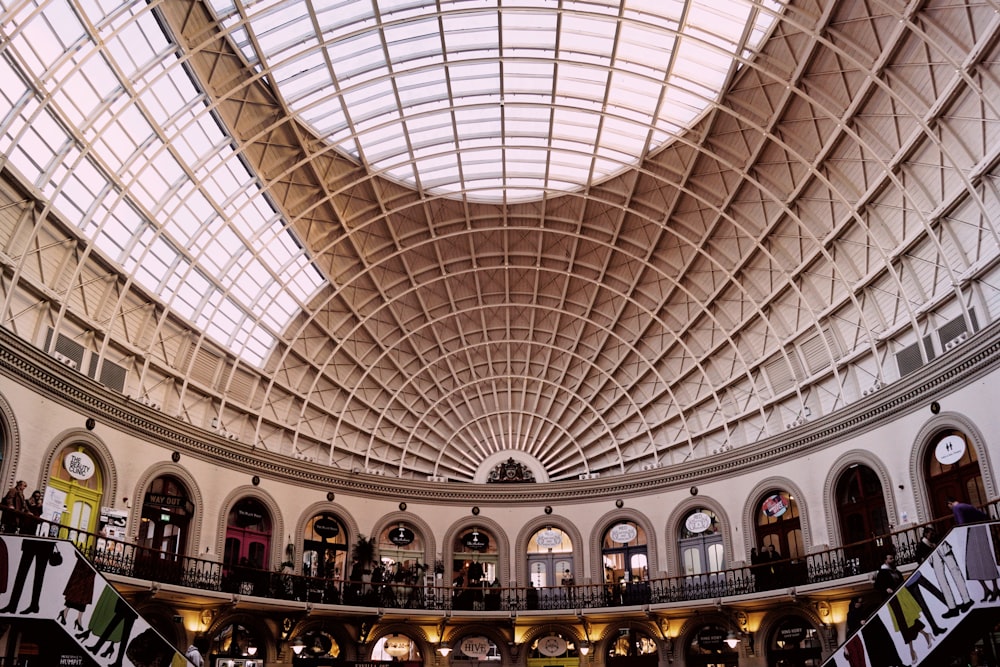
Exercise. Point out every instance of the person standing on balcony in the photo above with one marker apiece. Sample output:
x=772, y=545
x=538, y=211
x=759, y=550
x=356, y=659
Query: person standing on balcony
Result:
x=965, y=513
x=29, y=524
x=15, y=507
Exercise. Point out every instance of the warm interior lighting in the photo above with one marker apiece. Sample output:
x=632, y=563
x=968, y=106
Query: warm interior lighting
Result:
x=584, y=648
x=397, y=646
x=444, y=649
x=298, y=645
x=251, y=650
x=732, y=640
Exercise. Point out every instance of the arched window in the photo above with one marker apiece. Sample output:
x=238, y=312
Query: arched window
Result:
x=475, y=557
x=795, y=641
x=401, y=548
x=710, y=647
x=324, y=547
x=623, y=551
x=861, y=505
x=700, y=542
x=550, y=558
x=632, y=647
x=475, y=650
x=76, y=483
x=235, y=641
x=248, y=535
x=779, y=532
x=951, y=469
x=315, y=646
x=166, y=512
x=778, y=524
x=399, y=649
x=544, y=649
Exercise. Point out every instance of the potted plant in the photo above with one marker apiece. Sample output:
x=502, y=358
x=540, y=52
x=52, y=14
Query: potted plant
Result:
x=364, y=553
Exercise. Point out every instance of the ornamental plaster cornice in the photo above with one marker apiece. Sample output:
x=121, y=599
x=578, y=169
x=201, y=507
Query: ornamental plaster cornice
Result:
x=26, y=364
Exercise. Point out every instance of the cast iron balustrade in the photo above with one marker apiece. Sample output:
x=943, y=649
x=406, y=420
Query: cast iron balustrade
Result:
x=119, y=558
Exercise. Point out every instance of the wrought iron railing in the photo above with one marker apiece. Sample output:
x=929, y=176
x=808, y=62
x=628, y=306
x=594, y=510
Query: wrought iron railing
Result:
x=115, y=557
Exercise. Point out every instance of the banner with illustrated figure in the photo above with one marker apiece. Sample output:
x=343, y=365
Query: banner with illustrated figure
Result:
x=959, y=576
x=42, y=578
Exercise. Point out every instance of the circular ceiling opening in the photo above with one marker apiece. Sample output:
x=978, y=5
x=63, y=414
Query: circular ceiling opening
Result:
x=498, y=101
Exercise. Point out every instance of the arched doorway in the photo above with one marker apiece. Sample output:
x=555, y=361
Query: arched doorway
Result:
x=236, y=644
x=474, y=566
x=632, y=647
x=794, y=643
x=554, y=648
x=166, y=513
x=317, y=647
x=398, y=649
x=550, y=564
x=701, y=549
x=862, y=515
x=779, y=532
x=951, y=469
x=400, y=549
x=248, y=545
x=75, y=490
x=626, y=564
x=712, y=646
x=324, y=558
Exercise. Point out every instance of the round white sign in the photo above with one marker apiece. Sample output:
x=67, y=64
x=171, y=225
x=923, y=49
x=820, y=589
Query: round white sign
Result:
x=622, y=533
x=551, y=646
x=950, y=449
x=79, y=465
x=549, y=539
x=698, y=522
x=475, y=647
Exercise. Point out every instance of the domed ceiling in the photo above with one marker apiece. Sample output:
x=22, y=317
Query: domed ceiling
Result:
x=418, y=238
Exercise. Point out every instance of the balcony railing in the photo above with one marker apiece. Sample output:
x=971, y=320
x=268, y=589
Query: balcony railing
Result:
x=125, y=559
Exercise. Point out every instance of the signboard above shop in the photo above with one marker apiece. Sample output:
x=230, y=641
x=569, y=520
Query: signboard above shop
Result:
x=476, y=541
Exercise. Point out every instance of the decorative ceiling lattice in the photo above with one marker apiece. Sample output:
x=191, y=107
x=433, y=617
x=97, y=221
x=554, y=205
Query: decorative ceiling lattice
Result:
x=420, y=239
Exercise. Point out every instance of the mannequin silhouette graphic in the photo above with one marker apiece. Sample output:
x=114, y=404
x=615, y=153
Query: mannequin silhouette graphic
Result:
x=39, y=552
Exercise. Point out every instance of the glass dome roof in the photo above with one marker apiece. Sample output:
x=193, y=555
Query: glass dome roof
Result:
x=491, y=100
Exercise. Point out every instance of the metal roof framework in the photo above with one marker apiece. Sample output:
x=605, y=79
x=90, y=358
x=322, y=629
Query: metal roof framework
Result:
x=321, y=286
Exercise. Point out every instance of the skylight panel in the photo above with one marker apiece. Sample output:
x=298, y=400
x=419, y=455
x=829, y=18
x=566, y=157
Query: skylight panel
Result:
x=474, y=30
x=302, y=76
x=136, y=171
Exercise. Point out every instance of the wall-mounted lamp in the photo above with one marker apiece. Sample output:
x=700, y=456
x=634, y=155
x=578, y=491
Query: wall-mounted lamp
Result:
x=732, y=639
x=298, y=646
x=444, y=649
x=584, y=648
x=251, y=650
